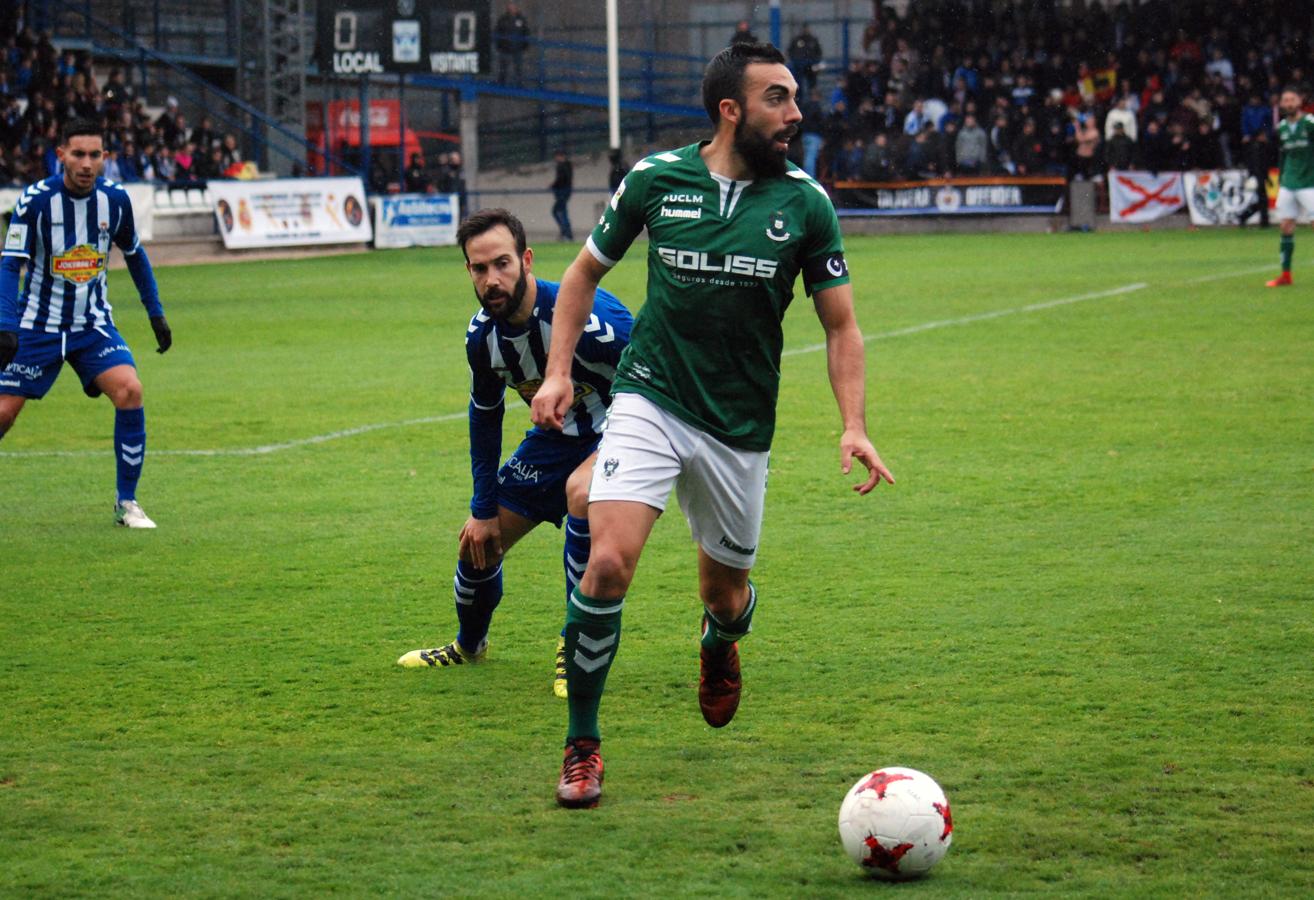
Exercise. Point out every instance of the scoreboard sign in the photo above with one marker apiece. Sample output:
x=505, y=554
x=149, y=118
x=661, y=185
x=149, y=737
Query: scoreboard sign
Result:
x=373, y=37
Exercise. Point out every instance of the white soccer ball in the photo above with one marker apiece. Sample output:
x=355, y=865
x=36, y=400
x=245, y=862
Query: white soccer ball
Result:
x=896, y=823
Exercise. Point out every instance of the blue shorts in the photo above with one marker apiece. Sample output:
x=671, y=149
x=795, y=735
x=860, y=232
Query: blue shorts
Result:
x=41, y=355
x=533, y=481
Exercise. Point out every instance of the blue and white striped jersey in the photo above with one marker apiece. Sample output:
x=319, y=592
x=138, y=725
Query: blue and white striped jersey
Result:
x=66, y=240
x=503, y=356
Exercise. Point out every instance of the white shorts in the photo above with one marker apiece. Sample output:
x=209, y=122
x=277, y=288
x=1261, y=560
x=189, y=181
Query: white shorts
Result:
x=646, y=451
x=1290, y=204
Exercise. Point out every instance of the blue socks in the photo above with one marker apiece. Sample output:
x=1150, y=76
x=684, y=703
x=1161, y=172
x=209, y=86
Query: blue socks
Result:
x=129, y=450
x=478, y=591
x=575, y=554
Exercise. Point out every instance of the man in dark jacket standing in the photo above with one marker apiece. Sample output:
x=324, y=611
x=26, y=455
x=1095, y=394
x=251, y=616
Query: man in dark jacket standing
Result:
x=511, y=35
x=561, y=188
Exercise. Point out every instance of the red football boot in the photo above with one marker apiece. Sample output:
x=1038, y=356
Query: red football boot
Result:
x=580, y=786
x=719, y=685
x=1283, y=280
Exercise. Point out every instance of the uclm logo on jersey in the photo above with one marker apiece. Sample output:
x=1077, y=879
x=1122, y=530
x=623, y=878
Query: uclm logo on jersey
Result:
x=81, y=264
x=713, y=263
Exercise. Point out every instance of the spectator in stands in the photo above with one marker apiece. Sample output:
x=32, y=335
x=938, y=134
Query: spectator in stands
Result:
x=1087, y=139
x=878, y=163
x=914, y=122
x=1156, y=147
x=162, y=162
x=511, y=37
x=230, y=153
x=811, y=131
x=204, y=135
x=417, y=177
x=1205, y=151
x=1256, y=116
x=168, y=123
x=129, y=171
x=1028, y=150
x=1120, y=150
x=457, y=177
x=743, y=34
x=971, y=148
x=804, y=56
x=184, y=163
x=116, y=92
x=209, y=165
x=1121, y=114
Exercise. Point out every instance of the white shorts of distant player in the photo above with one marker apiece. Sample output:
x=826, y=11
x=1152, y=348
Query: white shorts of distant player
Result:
x=1297, y=205
x=646, y=451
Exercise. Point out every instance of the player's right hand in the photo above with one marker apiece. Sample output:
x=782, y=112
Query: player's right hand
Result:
x=481, y=542
x=552, y=401
x=163, y=334
x=8, y=348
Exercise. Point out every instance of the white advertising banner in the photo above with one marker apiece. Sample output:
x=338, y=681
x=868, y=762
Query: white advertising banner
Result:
x=1144, y=196
x=143, y=209
x=1222, y=197
x=416, y=220
x=290, y=211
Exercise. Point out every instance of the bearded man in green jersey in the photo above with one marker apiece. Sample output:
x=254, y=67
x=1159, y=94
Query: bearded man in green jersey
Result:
x=731, y=224
x=1296, y=181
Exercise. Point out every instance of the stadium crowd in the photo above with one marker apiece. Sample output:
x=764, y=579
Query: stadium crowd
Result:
x=41, y=88
x=972, y=87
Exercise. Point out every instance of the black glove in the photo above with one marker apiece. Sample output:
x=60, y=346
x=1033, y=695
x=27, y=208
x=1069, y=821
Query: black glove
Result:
x=8, y=348
x=163, y=336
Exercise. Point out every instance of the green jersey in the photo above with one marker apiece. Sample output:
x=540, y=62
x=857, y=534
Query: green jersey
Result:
x=1297, y=142
x=723, y=256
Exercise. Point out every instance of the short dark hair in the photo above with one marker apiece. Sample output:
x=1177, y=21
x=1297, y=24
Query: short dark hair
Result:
x=1296, y=89
x=488, y=219
x=80, y=128
x=723, y=79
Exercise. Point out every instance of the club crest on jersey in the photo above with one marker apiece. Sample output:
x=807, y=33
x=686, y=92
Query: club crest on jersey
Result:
x=527, y=389
x=777, y=229
x=81, y=264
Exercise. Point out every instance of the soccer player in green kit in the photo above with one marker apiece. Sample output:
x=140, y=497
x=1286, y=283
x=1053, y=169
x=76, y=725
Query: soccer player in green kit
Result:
x=730, y=224
x=1296, y=182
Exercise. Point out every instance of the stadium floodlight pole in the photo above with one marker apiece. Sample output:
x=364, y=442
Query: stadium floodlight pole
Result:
x=613, y=77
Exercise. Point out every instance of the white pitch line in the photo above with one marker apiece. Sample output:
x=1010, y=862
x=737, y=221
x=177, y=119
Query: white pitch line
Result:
x=981, y=317
x=256, y=451
x=1221, y=276
x=450, y=417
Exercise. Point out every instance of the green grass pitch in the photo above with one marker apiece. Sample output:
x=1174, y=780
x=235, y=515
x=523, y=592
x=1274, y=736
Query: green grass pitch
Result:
x=1086, y=607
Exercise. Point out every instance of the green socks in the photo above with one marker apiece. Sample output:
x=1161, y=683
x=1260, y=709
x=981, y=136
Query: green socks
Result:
x=1288, y=245
x=592, y=636
x=718, y=635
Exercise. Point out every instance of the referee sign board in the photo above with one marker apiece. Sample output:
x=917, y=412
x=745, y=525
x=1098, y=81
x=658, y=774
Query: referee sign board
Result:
x=373, y=37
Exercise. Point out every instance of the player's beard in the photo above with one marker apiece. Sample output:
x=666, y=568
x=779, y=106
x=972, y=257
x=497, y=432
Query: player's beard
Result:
x=759, y=151
x=515, y=299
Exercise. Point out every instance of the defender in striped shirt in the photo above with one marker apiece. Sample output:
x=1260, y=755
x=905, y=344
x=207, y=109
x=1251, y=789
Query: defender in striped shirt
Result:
x=62, y=229
x=547, y=477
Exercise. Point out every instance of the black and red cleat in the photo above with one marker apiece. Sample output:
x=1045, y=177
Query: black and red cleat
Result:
x=719, y=685
x=580, y=786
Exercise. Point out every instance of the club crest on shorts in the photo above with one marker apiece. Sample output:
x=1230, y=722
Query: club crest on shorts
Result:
x=609, y=467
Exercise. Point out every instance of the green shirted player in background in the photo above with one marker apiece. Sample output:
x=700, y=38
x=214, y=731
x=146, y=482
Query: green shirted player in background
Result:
x=1296, y=183
x=730, y=224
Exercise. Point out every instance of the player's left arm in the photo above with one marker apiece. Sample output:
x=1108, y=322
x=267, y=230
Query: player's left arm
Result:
x=846, y=364
x=143, y=276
